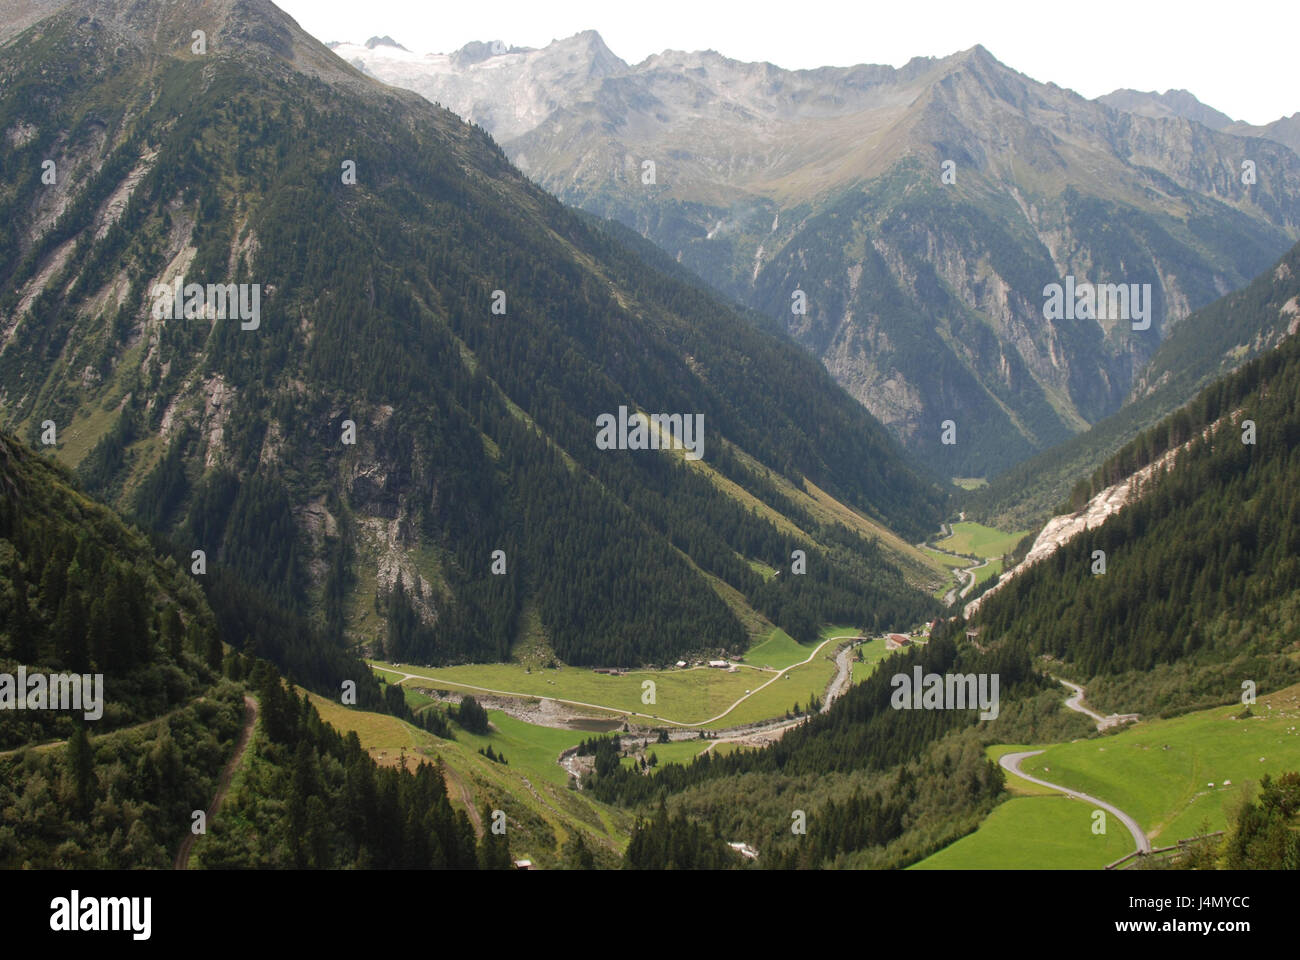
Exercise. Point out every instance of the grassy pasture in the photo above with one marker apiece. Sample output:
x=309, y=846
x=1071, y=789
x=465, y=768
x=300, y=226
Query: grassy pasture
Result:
x=975, y=539
x=679, y=751
x=988, y=571
x=951, y=562
x=1035, y=833
x=685, y=695
x=1160, y=772
x=873, y=651
x=682, y=695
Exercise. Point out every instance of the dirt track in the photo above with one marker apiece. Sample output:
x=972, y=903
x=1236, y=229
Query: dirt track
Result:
x=223, y=785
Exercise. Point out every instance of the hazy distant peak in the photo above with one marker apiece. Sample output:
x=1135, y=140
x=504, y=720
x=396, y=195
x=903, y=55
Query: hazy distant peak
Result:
x=1180, y=103
x=688, y=59
x=976, y=59
x=476, y=51
x=1171, y=103
x=587, y=45
x=591, y=45
x=384, y=41
x=979, y=53
x=590, y=37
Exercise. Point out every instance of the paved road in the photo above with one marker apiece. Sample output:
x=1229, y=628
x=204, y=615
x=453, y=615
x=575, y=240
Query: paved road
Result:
x=971, y=570
x=1076, y=703
x=1011, y=762
x=952, y=596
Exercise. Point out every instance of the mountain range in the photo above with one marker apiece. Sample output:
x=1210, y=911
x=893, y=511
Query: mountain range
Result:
x=1181, y=103
x=300, y=369
x=397, y=437
x=902, y=224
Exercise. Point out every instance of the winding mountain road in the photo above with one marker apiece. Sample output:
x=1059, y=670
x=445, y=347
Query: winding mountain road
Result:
x=973, y=578
x=1011, y=763
x=958, y=591
x=1075, y=703
x=836, y=689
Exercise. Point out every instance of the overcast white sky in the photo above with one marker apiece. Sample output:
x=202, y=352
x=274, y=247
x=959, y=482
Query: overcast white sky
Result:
x=1239, y=57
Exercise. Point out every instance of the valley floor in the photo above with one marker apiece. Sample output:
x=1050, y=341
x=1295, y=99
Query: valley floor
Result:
x=963, y=542
x=538, y=716
x=754, y=690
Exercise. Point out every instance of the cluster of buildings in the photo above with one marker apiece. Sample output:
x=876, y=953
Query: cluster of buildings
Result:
x=681, y=664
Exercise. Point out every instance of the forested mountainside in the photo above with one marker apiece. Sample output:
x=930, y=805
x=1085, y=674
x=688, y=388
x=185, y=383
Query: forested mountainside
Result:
x=81, y=592
x=1197, y=601
x=414, y=402
x=115, y=782
x=1210, y=343
x=920, y=210
x=1201, y=572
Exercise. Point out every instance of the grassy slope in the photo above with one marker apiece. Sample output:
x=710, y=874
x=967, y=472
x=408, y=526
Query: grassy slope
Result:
x=1166, y=790
x=532, y=789
x=1035, y=833
x=778, y=651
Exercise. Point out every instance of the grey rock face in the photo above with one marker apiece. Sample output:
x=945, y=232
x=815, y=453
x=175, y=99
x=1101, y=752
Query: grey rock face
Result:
x=922, y=210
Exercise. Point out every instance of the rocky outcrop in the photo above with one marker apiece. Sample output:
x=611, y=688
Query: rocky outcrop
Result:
x=1060, y=530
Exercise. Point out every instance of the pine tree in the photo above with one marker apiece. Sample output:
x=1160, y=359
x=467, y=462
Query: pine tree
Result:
x=214, y=652
x=576, y=855
x=493, y=848
x=81, y=768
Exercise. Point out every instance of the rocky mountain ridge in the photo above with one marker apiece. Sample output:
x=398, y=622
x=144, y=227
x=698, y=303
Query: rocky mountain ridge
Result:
x=902, y=224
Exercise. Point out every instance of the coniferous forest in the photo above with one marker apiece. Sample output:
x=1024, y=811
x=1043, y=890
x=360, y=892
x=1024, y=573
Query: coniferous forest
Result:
x=474, y=431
